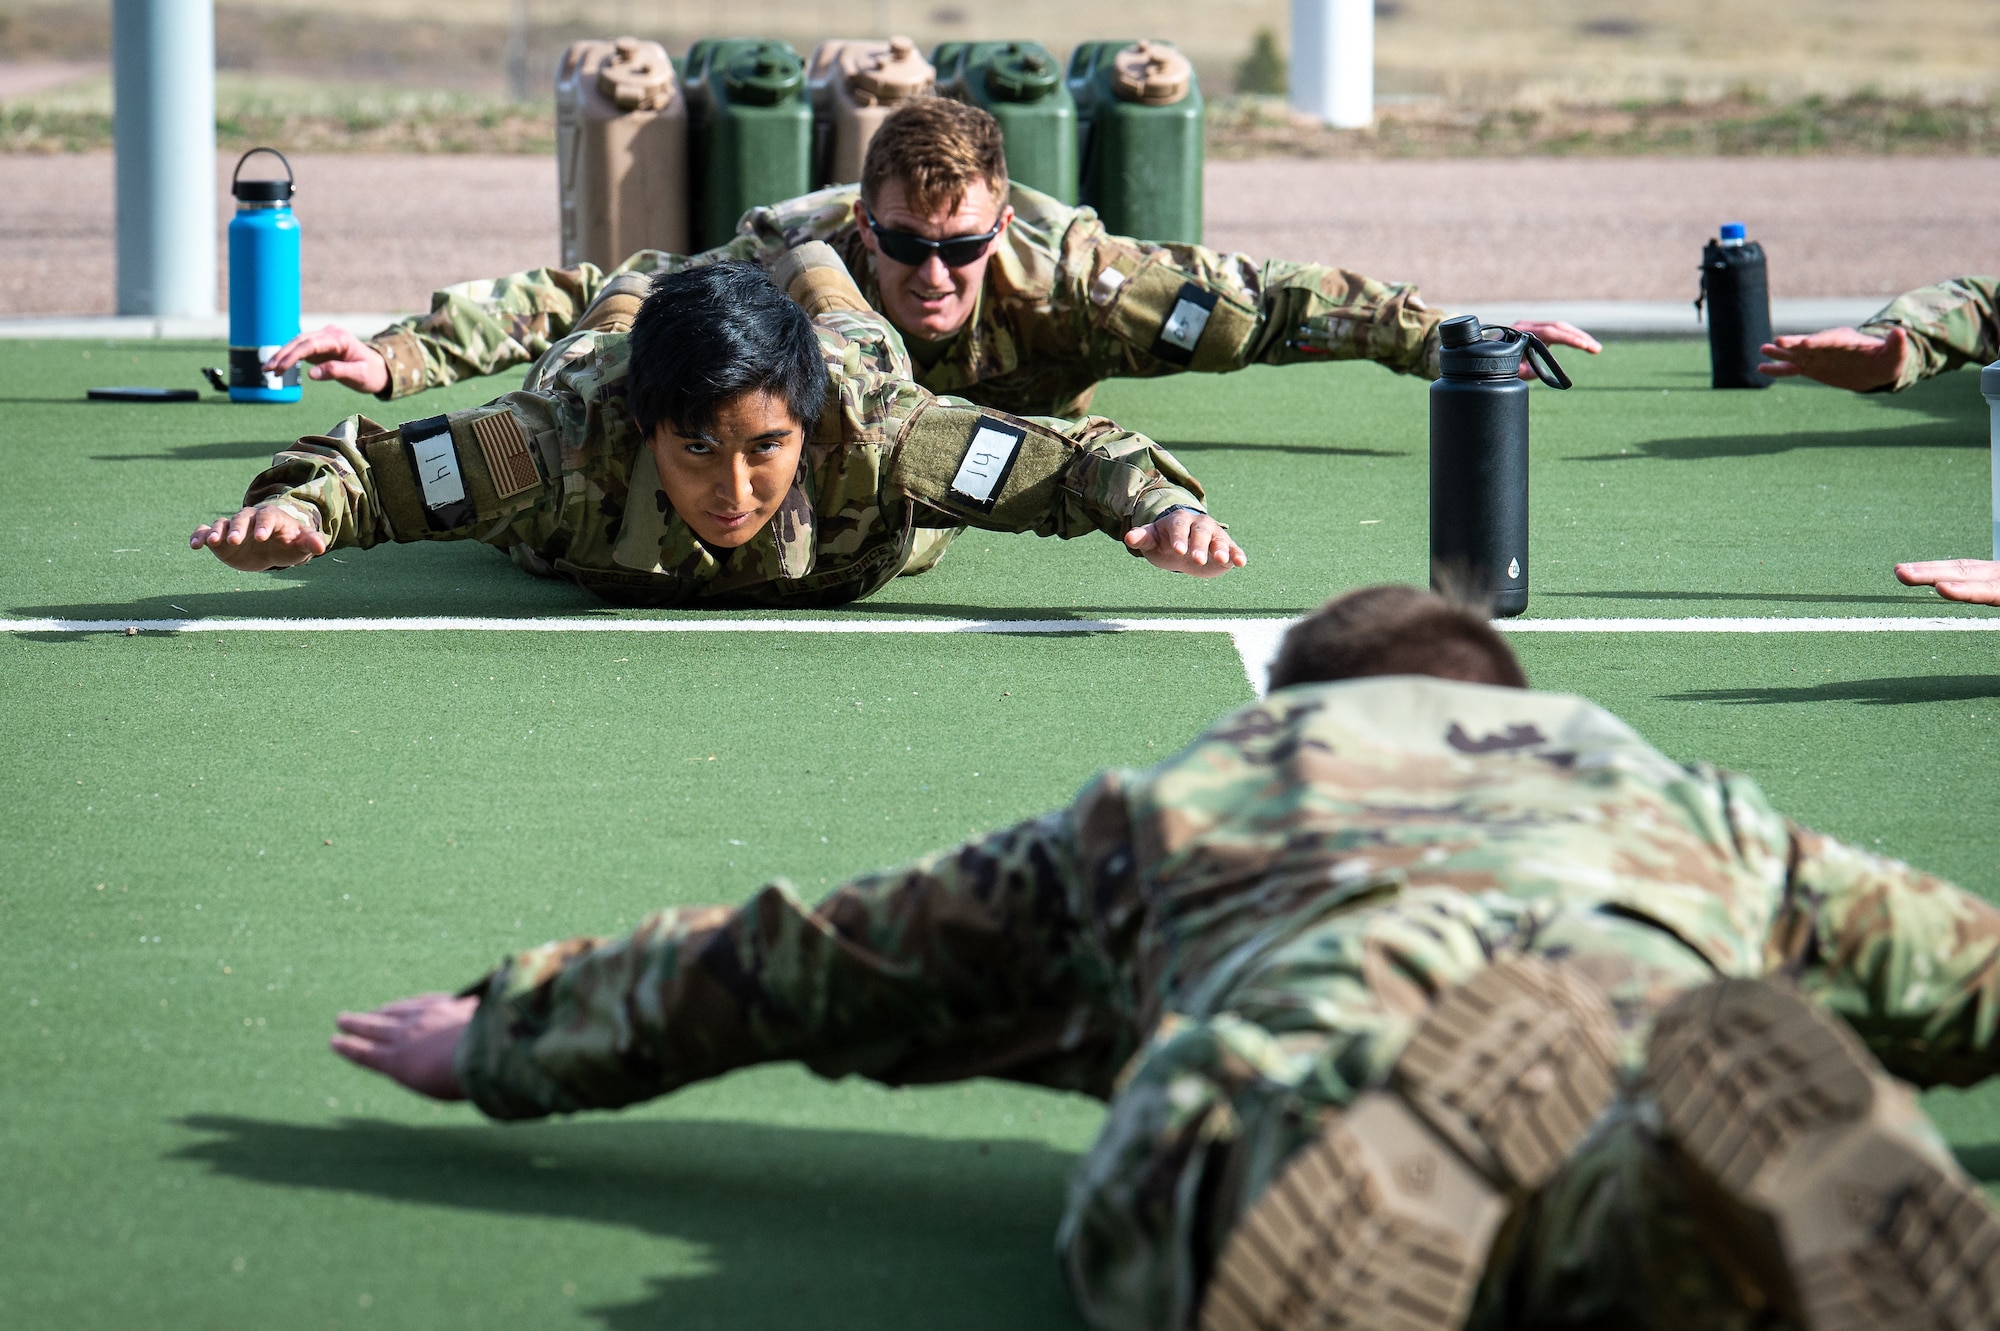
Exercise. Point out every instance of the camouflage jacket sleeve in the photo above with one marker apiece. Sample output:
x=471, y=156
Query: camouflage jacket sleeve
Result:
x=1911, y=961
x=981, y=468
x=1148, y=309
x=1949, y=325
x=483, y=327
x=363, y=483
x=985, y=960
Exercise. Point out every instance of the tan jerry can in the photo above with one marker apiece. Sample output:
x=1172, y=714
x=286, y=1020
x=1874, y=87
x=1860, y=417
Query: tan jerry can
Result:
x=621, y=152
x=855, y=83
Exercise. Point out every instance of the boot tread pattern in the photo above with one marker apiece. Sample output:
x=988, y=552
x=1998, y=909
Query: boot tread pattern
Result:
x=1746, y=1073
x=1507, y=1071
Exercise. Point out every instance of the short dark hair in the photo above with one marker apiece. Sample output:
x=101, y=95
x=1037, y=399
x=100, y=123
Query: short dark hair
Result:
x=1395, y=630
x=936, y=147
x=707, y=335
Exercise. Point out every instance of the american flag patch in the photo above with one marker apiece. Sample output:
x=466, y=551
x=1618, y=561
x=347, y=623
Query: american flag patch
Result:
x=508, y=459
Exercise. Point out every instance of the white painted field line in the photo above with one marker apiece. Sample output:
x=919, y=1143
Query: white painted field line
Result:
x=1256, y=640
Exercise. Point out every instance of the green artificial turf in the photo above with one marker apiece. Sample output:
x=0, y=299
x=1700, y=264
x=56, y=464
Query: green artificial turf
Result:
x=215, y=841
x=1651, y=496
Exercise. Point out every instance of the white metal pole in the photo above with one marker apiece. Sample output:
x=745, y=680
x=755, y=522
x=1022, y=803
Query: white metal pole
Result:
x=163, y=130
x=1333, y=61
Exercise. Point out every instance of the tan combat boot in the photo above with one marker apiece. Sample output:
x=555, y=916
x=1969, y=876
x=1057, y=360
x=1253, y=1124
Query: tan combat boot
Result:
x=1832, y=1186
x=1384, y=1223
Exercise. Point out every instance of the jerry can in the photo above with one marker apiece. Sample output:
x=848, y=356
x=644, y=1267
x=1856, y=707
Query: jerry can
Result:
x=1021, y=85
x=621, y=152
x=855, y=84
x=751, y=130
x=1139, y=112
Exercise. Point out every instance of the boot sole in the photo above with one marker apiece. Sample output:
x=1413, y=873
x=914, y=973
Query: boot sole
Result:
x=1786, y=1115
x=1385, y=1220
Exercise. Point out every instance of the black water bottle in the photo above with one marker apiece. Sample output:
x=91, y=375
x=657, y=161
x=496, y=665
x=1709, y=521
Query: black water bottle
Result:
x=1739, y=308
x=1479, y=460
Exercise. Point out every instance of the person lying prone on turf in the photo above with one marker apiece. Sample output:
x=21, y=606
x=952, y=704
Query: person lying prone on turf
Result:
x=1419, y=1000
x=1008, y=297
x=728, y=450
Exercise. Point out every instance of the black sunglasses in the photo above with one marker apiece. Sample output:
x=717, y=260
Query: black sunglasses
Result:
x=955, y=251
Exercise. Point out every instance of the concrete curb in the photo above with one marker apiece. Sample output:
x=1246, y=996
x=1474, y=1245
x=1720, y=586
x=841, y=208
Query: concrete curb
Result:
x=147, y=328
x=1604, y=318
x=1670, y=318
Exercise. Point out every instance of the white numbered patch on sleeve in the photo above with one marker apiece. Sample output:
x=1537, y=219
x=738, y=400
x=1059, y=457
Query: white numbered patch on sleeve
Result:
x=988, y=458
x=1183, y=327
x=436, y=461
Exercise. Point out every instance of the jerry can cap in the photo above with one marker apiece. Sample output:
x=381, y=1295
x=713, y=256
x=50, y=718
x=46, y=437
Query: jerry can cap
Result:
x=1021, y=72
x=1151, y=73
x=638, y=76
x=262, y=191
x=891, y=73
x=764, y=74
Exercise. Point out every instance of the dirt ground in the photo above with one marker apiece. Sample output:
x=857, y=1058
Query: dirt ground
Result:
x=382, y=232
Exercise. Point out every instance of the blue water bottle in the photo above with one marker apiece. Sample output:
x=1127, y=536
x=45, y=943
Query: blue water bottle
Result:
x=263, y=284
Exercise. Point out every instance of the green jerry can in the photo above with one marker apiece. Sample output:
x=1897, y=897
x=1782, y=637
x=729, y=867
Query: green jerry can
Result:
x=750, y=129
x=1139, y=113
x=1020, y=84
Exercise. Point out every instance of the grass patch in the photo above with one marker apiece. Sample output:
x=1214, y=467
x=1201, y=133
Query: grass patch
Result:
x=1738, y=126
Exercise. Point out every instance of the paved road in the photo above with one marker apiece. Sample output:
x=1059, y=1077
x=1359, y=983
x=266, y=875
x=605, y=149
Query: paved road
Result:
x=382, y=232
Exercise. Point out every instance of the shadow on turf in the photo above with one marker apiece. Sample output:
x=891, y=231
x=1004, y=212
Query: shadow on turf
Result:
x=1890, y=692
x=798, y=1226
x=1957, y=419
x=238, y=451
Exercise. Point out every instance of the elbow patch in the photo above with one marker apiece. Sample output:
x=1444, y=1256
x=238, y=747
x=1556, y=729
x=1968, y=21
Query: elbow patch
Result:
x=981, y=464
x=445, y=473
x=1160, y=312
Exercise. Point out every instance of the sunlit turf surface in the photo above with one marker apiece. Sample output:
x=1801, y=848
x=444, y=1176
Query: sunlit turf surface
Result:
x=213, y=842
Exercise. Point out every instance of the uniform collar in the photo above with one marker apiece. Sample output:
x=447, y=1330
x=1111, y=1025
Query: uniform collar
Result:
x=653, y=539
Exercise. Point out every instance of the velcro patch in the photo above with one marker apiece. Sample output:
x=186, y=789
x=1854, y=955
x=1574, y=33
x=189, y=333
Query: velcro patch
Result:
x=988, y=458
x=508, y=459
x=1182, y=331
x=434, y=459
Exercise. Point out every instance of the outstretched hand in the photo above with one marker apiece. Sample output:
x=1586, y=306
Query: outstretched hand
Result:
x=1557, y=334
x=336, y=354
x=1975, y=581
x=1842, y=357
x=261, y=538
x=410, y=1041
x=1185, y=541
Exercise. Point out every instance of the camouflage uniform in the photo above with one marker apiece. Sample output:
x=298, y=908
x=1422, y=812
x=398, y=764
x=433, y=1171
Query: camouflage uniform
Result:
x=1230, y=946
x=1951, y=324
x=558, y=476
x=1064, y=304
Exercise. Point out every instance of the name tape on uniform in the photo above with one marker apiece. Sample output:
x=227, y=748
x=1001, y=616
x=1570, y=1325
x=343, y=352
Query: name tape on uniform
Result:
x=1182, y=331
x=434, y=459
x=988, y=458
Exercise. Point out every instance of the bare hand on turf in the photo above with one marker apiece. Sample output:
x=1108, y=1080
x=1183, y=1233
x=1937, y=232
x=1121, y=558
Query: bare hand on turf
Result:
x=336, y=354
x=1556, y=333
x=261, y=538
x=411, y=1041
x=1976, y=581
x=1842, y=357
x=1185, y=541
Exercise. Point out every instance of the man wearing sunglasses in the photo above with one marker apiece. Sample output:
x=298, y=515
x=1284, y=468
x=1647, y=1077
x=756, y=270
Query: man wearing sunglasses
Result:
x=1003, y=295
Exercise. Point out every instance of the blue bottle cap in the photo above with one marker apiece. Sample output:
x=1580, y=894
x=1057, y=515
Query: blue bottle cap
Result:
x=1732, y=231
